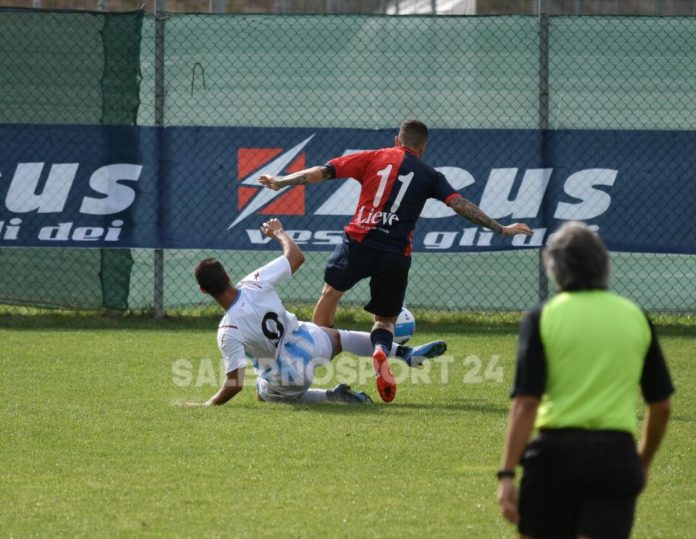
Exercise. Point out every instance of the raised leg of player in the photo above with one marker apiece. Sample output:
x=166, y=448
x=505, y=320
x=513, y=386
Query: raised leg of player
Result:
x=382, y=337
x=382, y=333
x=325, y=310
x=359, y=343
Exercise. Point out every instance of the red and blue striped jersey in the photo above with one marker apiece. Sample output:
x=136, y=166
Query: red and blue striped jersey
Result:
x=395, y=186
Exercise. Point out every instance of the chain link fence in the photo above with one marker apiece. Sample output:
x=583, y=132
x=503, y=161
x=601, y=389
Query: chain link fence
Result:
x=513, y=72
x=377, y=7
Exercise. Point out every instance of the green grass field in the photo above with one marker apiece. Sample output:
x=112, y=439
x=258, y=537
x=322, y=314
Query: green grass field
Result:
x=92, y=444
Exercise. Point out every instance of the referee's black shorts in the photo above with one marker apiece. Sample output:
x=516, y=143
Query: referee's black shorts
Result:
x=388, y=272
x=579, y=482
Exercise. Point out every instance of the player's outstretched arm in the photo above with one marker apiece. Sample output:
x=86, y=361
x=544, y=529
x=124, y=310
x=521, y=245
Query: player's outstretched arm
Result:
x=654, y=427
x=520, y=426
x=476, y=215
x=303, y=177
x=273, y=228
x=233, y=384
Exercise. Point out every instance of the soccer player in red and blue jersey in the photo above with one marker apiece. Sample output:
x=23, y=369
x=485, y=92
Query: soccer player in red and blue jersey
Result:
x=396, y=184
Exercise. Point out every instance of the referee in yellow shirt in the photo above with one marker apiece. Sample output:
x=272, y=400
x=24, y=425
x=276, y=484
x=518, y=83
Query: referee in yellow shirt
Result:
x=581, y=358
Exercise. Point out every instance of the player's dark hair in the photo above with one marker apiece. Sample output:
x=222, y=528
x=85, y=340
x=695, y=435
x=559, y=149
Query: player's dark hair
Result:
x=211, y=276
x=577, y=259
x=413, y=133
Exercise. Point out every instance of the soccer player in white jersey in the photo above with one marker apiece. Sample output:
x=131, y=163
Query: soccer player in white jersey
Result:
x=283, y=350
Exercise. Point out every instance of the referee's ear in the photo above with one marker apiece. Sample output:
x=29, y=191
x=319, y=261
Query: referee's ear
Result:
x=397, y=141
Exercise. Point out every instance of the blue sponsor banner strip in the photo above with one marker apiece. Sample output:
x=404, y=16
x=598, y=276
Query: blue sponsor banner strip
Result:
x=78, y=186
x=196, y=187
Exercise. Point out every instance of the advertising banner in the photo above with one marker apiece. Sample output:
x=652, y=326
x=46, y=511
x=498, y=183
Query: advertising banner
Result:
x=197, y=187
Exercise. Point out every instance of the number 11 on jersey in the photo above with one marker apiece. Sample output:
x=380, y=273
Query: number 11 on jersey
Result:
x=405, y=181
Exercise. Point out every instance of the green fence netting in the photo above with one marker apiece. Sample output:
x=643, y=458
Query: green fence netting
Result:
x=344, y=71
x=68, y=68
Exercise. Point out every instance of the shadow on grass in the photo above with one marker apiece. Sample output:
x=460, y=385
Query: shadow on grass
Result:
x=104, y=321
x=461, y=323
x=475, y=406
x=116, y=321
x=478, y=406
x=195, y=318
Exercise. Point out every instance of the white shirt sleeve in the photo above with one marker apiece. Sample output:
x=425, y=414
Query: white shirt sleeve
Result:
x=232, y=353
x=274, y=272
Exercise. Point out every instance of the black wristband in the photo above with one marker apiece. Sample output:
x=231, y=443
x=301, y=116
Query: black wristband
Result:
x=505, y=473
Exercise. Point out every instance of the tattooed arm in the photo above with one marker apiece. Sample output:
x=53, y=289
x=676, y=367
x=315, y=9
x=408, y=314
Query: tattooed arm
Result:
x=303, y=177
x=476, y=215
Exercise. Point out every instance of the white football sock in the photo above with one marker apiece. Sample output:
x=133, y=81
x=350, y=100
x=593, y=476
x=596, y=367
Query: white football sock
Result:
x=313, y=395
x=359, y=343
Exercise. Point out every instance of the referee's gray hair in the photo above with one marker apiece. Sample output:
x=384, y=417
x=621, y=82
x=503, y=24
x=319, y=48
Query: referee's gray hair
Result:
x=576, y=258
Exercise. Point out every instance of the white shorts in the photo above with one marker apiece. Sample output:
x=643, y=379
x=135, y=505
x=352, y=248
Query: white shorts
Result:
x=302, y=352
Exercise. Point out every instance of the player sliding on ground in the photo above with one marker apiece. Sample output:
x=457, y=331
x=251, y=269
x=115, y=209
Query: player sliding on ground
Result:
x=284, y=352
x=394, y=186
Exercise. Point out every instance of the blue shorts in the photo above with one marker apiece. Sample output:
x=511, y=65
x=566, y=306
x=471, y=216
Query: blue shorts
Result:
x=388, y=272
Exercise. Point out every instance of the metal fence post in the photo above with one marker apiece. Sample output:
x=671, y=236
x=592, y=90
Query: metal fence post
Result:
x=160, y=6
x=543, y=116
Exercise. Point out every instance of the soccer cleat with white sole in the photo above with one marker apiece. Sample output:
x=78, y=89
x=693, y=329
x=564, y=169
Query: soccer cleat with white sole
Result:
x=414, y=357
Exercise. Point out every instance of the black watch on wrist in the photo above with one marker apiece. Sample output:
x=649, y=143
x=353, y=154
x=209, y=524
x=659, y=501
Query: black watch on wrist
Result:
x=505, y=473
